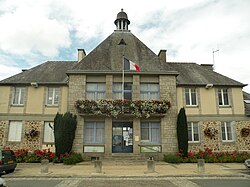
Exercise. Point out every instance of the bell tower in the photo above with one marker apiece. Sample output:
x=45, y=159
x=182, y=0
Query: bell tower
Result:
x=122, y=21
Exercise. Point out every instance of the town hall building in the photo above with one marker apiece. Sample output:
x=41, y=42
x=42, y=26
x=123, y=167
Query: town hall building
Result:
x=122, y=110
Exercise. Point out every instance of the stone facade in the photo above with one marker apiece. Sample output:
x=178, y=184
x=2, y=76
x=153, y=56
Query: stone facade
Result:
x=27, y=142
x=168, y=123
x=3, y=132
x=33, y=143
x=240, y=143
x=167, y=85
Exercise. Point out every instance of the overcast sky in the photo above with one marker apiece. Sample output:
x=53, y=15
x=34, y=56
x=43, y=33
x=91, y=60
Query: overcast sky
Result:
x=35, y=31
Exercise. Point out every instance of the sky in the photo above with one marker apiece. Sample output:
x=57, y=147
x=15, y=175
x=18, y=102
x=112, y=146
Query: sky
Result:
x=201, y=31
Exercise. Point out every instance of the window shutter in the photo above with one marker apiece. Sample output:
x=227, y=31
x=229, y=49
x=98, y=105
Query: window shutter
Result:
x=15, y=131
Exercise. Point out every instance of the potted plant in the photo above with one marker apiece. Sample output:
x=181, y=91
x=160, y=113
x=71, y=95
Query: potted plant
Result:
x=32, y=133
x=245, y=132
x=210, y=132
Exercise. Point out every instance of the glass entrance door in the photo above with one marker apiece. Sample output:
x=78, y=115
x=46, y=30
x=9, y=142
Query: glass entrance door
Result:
x=122, y=141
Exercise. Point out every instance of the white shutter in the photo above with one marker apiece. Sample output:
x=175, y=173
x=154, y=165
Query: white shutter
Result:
x=48, y=133
x=15, y=131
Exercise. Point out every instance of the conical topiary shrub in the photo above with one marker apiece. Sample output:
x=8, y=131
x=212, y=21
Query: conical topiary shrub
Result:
x=182, y=132
x=64, y=131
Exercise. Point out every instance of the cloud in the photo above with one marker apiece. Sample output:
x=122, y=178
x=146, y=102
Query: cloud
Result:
x=28, y=29
x=35, y=31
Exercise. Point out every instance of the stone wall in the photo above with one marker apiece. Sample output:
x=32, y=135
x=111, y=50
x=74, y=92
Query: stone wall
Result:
x=3, y=132
x=240, y=144
x=33, y=143
x=77, y=88
x=168, y=123
x=27, y=142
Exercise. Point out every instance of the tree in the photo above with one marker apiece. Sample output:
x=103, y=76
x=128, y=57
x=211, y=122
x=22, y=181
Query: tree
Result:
x=182, y=132
x=64, y=131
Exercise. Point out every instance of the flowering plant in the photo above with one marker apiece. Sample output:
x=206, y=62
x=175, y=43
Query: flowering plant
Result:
x=32, y=133
x=114, y=108
x=210, y=132
x=211, y=156
x=245, y=132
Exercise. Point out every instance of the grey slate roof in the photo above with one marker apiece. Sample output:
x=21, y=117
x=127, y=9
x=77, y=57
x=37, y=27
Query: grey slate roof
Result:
x=108, y=55
x=51, y=72
x=246, y=97
x=198, y=75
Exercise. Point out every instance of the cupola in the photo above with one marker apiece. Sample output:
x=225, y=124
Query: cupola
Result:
x=122, y=21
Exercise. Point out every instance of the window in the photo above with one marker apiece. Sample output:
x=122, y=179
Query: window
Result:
x=227, y=131
x=15, y=131
x=223, y=97
x=53, y=96
x=193, y=132
x=150, y=91
x=94, y=133
x=49, y=132
x=95, y=91
x=18, y=96
x=117, y=90
x=150, y=132
x=190, y=97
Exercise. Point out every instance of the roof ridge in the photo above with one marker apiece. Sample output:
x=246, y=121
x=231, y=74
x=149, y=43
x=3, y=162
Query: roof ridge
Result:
x=181, y=62
x=61, y=61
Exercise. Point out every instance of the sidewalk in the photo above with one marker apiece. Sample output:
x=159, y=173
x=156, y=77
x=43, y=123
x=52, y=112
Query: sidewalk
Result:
x=129, y=169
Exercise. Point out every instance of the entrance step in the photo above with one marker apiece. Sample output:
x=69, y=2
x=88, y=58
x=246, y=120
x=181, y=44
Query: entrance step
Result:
x=124, y=158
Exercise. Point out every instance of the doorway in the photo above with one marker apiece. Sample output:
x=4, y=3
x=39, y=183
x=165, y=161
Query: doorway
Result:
x=122, y=137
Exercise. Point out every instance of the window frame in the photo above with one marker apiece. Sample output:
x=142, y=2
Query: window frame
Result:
x=126, y=91
x=21, y=95
x=189, y=91
x=94, y=124
x=149, y=92
x=18, y=131
x=95, y=91
x=54, y=90
x=51, y=134
x=221, y=96
x=193, y=133
x=224, y=125
x=150, y=128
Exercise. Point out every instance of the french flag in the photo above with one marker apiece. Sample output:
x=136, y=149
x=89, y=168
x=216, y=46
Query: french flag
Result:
x=129, y=65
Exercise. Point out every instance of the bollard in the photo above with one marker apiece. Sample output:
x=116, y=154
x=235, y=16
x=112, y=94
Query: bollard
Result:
x=151, y=165
x=44, y=166
x=98, y=166
x=201, y=166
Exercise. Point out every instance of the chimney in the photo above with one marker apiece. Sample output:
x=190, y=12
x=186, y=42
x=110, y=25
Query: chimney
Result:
x=162, y=55
x=208, y=66
x=81, y=54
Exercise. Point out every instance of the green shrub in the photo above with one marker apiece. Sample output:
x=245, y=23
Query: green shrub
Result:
x=182, y=133
x=173, y=159
x=72, y=159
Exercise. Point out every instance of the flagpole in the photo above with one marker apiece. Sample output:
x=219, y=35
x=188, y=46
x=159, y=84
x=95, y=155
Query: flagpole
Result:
x=123, y=77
